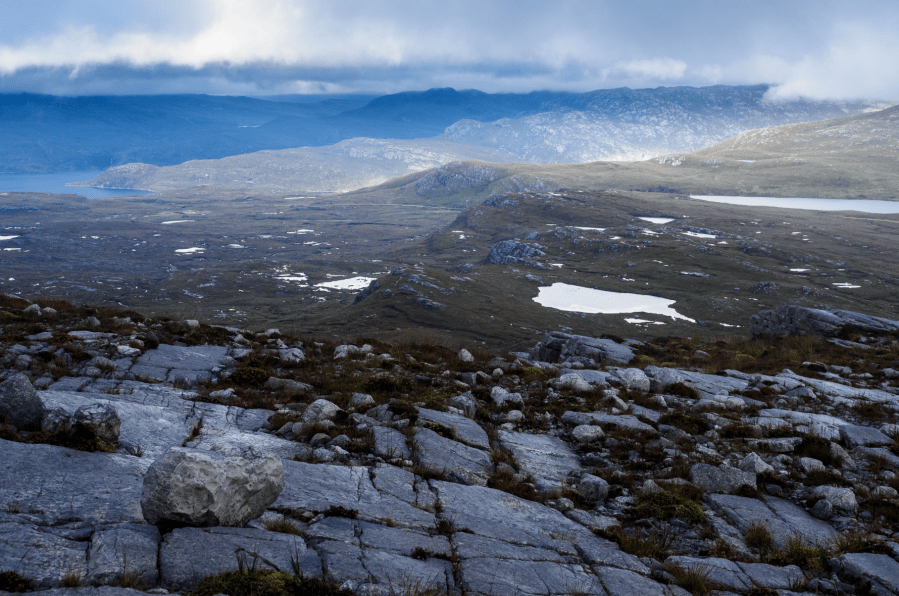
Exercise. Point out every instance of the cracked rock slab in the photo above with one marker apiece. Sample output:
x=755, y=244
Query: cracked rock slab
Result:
x=510, y=577
x=129, y=547
x=783, y=518
x=187, y=555
x=548, y=459
x=72, y=485
x=459, y=462
x=41, y=555
x=464, y=429
x=318, y=487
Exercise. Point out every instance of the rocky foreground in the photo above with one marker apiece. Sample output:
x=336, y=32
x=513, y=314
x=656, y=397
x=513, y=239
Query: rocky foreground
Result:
x=140, y=454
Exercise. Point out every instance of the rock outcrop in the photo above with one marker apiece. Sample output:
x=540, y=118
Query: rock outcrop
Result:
x=799, y=320
x=564, y=347
x=515, y=474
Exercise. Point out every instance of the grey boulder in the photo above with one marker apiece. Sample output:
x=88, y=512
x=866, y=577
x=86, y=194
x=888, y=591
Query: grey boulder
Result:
x=102, y=419
x=197, y=488
x=720, y=480
x=319, y=411
x=19, y=402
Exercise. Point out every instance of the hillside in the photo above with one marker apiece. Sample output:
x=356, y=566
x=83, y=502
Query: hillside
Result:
x=348, y=165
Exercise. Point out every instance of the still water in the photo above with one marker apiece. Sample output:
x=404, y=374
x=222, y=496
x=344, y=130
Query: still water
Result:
x=56, y=183
x=862, y=205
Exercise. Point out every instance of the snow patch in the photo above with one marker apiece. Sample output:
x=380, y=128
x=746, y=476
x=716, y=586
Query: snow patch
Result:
x=189, y=251
x=562, y=296
x=657, y=220
x=351, y=283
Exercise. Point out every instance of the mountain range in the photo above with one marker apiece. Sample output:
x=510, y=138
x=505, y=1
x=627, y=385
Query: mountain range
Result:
x=47, y=133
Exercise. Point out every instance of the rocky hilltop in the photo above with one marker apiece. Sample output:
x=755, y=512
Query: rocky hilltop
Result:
x=173, y=457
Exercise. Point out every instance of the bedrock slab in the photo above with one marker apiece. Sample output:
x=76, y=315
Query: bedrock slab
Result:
x=187, y=555
x=784, y=519
x=72, y=485
x=548, y=459
x=318, y=487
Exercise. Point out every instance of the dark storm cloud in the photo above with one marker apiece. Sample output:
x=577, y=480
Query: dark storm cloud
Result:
x=815, y=49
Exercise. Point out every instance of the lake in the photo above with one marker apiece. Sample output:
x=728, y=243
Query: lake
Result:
x=56, y=183
x=861, y=205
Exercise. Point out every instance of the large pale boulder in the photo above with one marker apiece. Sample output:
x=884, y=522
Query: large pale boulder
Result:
x=20, y=404
x=200, y=488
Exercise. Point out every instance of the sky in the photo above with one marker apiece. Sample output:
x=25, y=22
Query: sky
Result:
x=819, y=49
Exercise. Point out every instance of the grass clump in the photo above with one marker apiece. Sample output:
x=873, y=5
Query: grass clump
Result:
x=694, y=579
x=264, y=582
x=693, y=425
x=506, y=481
x=11, y=581
x=856, y=541
x=283, y=526
x=249, y=376
x=340, y=511
x=815, y=447
x=682, y=390
x=870, y=411
x=797, y=552
x=758, y=535
x=680, y=501
x=654, y=545
x=79, y=436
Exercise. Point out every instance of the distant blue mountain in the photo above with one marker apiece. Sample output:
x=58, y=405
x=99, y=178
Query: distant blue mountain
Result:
x=42, y=133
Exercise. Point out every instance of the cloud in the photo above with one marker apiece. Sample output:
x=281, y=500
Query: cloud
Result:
x=664, y=69
x=824, y=48
x=857, y=64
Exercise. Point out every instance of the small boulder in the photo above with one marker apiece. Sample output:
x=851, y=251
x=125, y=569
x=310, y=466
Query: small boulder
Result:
x=587, y=433
x=465, y=402
x=823, y=510
x=465, y=355
x=631, y=378
x=102, y=419
x=287, y=385
x=55, y=421
x=292, y=355
x=201, y=488
x=719, y=479
x=361, y=400
x=19, y=402
x=574, y=382
x=809, y=464
x=593, y=488
x=841, y=498
x=34, y=309
x=755, y=464
x=319, y=411
x=501, y=397
x=513, y=416
x=884, y=492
